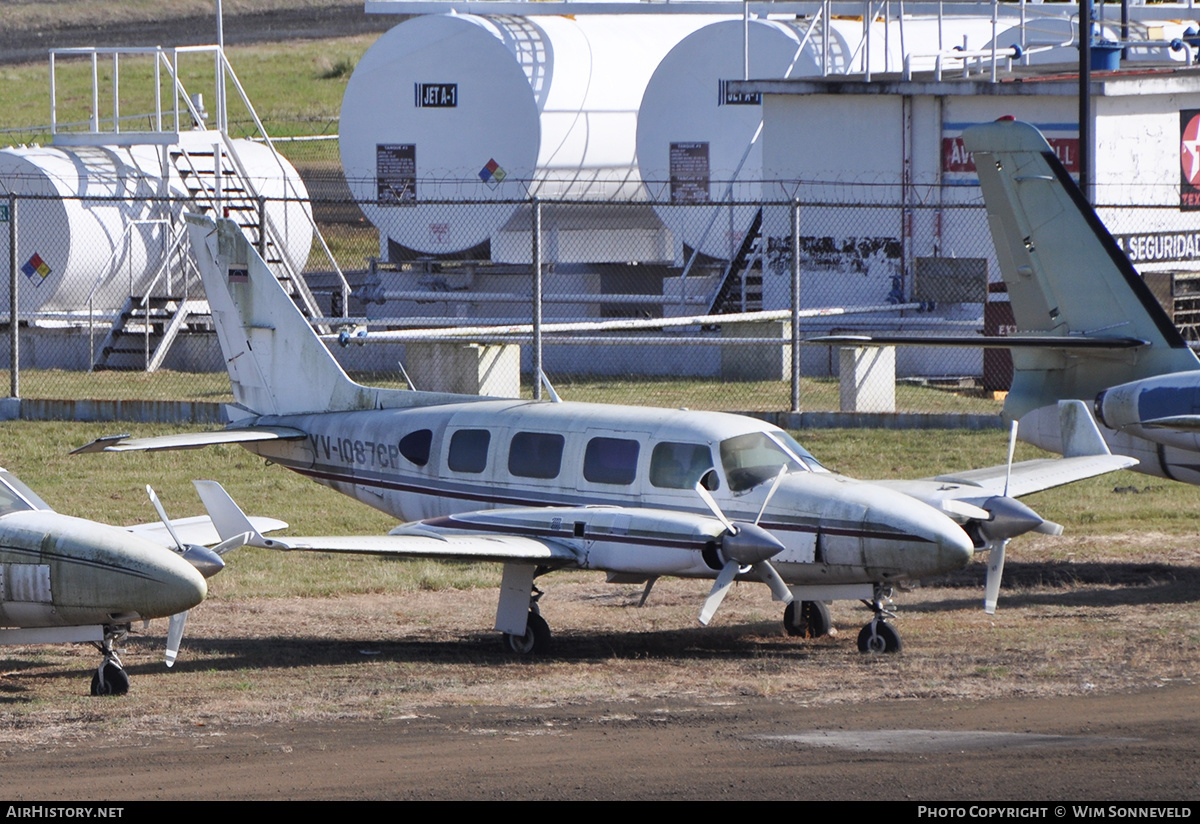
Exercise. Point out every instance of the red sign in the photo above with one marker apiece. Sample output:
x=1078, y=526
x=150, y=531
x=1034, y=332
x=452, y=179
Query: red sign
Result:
x=956, y=158
x=1189, y=160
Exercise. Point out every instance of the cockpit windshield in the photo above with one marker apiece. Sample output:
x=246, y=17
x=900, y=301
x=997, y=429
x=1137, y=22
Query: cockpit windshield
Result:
x=750, y=459
x=792, y=445
x=16, y=497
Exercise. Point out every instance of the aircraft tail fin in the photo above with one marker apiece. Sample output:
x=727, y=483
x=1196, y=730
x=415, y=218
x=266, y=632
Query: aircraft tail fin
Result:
x=276, y=363
x=230, y=522
x=1065, y=274
x=1080, y=435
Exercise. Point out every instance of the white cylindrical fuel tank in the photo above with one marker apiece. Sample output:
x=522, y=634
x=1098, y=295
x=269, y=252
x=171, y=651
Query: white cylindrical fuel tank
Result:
x=91, y=218
x=697, y=144
x=496, y=108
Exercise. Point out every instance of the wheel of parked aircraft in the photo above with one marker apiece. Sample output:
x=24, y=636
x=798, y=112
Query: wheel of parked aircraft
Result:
x=116, y=682
x=807, y=619
x=879, y=636
x=536, y=639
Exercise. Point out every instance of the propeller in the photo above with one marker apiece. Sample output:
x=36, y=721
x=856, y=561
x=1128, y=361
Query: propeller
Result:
x=206, y=561
x=1007, y=518
x=744, y=545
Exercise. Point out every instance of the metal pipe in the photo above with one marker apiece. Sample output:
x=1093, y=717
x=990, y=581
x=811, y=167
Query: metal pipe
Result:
x=1085, y=99
x=53, y=98
x=537, y=299
x=95, y=118
x=14, y=371
x=796, y=306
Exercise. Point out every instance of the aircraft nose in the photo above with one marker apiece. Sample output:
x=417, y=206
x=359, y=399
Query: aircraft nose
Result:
x=174, y=586
x=955, y=549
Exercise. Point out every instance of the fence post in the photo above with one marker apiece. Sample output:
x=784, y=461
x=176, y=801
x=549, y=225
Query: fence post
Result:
x=537, y=299
x=795, y=305
x=14, y=372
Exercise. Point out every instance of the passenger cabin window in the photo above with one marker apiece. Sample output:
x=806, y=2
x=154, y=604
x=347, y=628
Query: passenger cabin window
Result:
x=610, y=461
x=535, y=455
x=415, y=446
x=680, y=465
x=468, y=450
x=750, y=459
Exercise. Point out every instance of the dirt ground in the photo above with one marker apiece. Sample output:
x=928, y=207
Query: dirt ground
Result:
x=1136, y=746
x=1083, y=686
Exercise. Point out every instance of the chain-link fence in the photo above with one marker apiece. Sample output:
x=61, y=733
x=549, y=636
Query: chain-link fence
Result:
x=109, y=304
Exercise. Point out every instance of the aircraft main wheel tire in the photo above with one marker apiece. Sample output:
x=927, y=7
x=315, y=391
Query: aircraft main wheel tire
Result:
x=116, y=682
x=807, y=619
x=879, y=636
x=535, y=641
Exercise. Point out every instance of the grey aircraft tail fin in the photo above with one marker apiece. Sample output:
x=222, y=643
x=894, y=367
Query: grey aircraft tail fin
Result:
x=1065, y=275
x=276, y=363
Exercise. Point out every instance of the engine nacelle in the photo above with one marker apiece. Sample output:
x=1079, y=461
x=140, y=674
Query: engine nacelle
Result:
x=1164, y=409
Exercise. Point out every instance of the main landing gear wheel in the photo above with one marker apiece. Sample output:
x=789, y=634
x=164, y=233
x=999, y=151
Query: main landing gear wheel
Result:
x=879, y=636
x=110, y=679
x=535, y=641
x=807, y=619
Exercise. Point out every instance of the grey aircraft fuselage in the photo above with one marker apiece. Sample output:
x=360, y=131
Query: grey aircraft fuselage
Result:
x=57, y=571
x=438, y=461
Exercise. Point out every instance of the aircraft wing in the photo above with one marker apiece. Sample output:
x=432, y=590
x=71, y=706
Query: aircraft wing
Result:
x=189, y=440
x=1027, y=476
x=196, y=530
x=1015, y=341
x=1085, y=455
x=414, y=543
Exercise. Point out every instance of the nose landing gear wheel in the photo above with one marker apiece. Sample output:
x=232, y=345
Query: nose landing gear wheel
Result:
x=879, y=636
x=806, y=619
x=535, y=641
x=110, y=679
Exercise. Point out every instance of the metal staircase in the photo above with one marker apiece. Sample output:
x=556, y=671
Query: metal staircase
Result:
x=740, y=288
x=144, y=331
x=215, y=181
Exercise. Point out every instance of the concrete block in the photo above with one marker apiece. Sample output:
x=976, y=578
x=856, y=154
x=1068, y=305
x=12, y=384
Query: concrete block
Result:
x=465, y=368
x=867, y=378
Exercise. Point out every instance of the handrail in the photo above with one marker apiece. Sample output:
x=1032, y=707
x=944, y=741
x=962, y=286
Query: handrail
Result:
x=287, y=182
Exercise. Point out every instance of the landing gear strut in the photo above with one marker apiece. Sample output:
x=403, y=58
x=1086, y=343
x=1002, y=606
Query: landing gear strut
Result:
x=536, y=640
x=880, y=636
x=807, y=619
x=110, y=677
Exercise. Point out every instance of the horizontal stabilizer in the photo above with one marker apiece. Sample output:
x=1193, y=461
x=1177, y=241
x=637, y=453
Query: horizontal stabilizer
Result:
x=189, y=440
x=199, y=529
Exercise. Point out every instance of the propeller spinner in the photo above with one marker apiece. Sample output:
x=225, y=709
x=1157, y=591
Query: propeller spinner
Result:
x=744, y=545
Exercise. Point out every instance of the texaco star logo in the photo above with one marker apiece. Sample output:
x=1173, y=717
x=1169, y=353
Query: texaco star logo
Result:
x=1189, y=151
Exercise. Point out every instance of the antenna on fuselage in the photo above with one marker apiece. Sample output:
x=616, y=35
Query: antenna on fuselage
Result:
x=407, y=379
x=554, y=398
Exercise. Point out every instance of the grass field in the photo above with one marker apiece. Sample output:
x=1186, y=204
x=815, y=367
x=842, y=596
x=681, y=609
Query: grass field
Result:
x=748, y=396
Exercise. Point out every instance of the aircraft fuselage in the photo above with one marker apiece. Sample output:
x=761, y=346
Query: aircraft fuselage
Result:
x=58, y=571
x=437, y=461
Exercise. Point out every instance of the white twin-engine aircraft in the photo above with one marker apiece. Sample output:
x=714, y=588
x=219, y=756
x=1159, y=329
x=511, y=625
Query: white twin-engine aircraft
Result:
x=636, y=492
x=69, y=580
